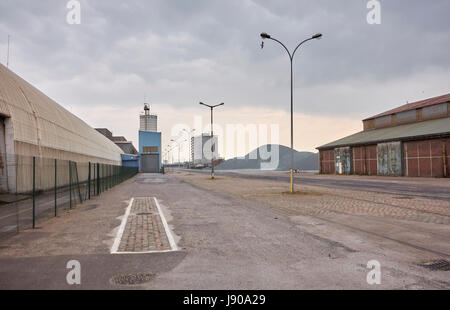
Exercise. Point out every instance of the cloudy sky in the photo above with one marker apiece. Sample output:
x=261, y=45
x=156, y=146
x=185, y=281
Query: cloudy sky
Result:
x=177, y=53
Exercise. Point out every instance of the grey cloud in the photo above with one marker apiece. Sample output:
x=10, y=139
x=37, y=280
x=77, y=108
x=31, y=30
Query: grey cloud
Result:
x=179, y=51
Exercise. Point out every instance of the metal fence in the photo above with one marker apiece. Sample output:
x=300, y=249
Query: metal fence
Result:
x=35, y=189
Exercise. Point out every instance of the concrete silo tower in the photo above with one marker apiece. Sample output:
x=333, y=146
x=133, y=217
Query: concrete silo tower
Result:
x=148, y=122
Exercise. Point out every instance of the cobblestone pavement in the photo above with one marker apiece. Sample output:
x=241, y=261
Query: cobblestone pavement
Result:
x=144, y=230
x=317, y=200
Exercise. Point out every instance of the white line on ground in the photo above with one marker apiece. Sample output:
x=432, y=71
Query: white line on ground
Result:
x=173, y=245
x=116, y=243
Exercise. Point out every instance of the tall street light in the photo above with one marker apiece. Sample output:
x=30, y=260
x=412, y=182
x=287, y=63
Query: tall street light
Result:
x=179, y=151
x=212, y=135
x=171, y=148
x=190, y=141
x=291, y=57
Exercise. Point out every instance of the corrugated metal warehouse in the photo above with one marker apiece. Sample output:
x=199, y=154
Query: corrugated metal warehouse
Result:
x=412, y=140
x=32, y=124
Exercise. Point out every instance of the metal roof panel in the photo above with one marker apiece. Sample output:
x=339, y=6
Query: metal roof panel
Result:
x=434, y=127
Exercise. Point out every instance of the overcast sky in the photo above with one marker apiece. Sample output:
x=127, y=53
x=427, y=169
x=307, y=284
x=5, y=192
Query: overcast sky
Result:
x=180, y=52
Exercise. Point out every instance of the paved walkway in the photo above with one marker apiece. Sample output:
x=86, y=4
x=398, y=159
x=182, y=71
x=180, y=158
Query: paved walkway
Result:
x=144, y=229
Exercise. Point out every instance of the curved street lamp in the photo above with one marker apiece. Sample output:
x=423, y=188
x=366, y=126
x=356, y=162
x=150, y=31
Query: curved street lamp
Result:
x=291, y=57
x=212, y=135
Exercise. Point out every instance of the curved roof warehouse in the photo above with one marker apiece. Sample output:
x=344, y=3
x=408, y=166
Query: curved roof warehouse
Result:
x=32, y=124
x=35, y=125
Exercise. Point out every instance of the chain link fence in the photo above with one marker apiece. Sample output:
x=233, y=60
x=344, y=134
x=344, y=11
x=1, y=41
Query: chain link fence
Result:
x=36, y=189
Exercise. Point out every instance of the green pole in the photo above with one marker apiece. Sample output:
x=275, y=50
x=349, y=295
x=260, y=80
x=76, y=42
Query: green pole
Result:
x=89, y=182
x=98, y=179
x=34, y=192
x=56, y=188
x=70, y=185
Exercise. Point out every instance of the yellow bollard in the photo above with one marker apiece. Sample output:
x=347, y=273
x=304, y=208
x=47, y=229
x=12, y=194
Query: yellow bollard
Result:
x=292, y=187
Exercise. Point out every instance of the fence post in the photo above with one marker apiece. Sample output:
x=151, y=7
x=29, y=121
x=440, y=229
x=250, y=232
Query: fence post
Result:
x=56, y=188
x=70, y=184
x=89, y=182
x=98, y=179
x=94, y=181
x=34, y=192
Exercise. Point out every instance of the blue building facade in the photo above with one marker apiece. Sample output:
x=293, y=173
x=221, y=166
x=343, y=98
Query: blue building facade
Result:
x=129, y=160
x=149, y=151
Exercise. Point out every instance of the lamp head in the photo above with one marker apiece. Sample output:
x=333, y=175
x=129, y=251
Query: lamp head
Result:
x=317, y=36
x=265, y=36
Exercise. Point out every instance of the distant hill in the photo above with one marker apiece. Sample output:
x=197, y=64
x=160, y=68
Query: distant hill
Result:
x=253, y=160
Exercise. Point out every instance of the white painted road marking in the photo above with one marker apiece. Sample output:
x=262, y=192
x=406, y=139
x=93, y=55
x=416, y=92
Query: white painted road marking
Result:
x=173, y=245
x=116, y=243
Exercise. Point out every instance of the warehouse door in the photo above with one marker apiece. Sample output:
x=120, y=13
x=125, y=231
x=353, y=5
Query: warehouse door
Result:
x=389, y=158
x=150, y=163
x=343, y=160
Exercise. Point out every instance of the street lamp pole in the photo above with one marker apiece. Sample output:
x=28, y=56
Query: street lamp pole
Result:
x=212, y=135
x=171, y=149
x=179, y=152
x=291, y=58
x=190, y=141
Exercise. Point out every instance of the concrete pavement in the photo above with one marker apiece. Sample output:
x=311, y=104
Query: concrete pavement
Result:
x=225, y=241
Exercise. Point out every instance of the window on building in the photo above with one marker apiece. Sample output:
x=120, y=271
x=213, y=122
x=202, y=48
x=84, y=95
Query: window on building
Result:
x=150, y=149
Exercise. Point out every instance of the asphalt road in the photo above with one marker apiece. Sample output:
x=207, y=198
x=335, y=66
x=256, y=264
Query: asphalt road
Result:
x=396, y=186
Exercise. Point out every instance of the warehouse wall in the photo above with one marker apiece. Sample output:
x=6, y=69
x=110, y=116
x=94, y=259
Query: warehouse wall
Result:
x=422, y=158
x=427, y=158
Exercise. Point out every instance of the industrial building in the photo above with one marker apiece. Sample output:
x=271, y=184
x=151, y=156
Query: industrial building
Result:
x=148, y=121
x=32, y=124
x=201, y=149
x=411, y=140
x=149, y=142
x=126, y=146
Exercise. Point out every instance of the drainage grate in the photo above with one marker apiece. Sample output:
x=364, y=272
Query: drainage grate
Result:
x=402, y=197
x=145, y=213
x=132, y=279
x=437, y=265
